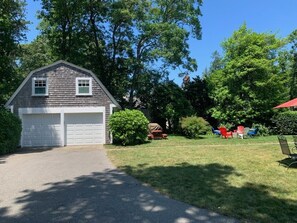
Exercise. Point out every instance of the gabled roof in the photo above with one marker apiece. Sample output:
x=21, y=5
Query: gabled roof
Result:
x=71, y=65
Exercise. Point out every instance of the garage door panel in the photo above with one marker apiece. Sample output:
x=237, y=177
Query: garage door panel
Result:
x=41, y=130
x=86, y=128
x=84, y=118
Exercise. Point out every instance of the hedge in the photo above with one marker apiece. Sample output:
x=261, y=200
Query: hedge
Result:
x=10, y=131
x=286, y=123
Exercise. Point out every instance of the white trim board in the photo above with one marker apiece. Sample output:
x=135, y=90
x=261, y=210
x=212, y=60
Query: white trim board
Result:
x=43, y=110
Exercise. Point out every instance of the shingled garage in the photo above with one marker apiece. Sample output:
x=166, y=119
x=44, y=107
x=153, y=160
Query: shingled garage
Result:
x=62, y=104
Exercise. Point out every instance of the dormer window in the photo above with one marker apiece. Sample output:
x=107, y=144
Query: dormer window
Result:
x=83, y=86
x=39, y=86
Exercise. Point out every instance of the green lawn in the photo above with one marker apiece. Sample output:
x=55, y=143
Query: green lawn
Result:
x=239, y=178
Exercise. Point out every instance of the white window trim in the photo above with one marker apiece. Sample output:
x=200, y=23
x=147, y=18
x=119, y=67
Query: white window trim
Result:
x=90, y=86
x=33, y=86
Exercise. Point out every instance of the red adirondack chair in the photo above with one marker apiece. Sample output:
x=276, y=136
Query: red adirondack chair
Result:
x=225, y=133
x=240, y=131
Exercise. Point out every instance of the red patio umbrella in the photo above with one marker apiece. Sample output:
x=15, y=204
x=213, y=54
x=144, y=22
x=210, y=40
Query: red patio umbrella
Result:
x=291, y=103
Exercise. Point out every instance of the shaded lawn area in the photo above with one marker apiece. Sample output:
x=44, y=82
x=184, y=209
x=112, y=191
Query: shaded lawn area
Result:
x=239, y=178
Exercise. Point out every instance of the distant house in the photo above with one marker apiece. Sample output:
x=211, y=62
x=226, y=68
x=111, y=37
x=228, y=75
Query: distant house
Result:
x=62, y=104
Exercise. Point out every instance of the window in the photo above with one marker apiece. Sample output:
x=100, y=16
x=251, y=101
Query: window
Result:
x=39, y=87
x=83, y=86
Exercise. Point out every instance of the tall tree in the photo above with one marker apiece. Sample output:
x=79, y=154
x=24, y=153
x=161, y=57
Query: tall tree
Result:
x=249, y=85
x=12, y=28
x=168, y=104
x=293, y=71
x=120, y=40
x=159, y=35
x=217, y=62
x=196, y=92
x=68, y=25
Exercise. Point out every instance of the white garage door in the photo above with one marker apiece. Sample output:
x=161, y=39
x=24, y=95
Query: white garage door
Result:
x=41, y=130
x=84, y=128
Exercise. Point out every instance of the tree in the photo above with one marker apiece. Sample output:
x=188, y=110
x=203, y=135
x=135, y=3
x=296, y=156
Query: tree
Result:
x=168, y=104
x=159, y=34
x=121, y=40
x=196, y=92
x=217, y=62
x=35, y=55
x=293, y=68
x=249, y=85
x=12, y=27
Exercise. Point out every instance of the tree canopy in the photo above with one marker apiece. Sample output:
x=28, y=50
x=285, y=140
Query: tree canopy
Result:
x=132, y=45
x=35, y=55
x=12, y=27
x=167, y=104
x=292, y=60
x=249, y=84
x=121, y=40
x=196, y=91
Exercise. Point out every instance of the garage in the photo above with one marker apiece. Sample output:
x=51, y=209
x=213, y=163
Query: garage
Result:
x=63, y=104
x=84, y=128
x=41, y=130
x=62, y=126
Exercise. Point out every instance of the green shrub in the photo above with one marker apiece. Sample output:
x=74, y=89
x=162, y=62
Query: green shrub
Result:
x=10, y=132
x=193, y=126
x=128, y=127
x=286, y=123
x=262, y=129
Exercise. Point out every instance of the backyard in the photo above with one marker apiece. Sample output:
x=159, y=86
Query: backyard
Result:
x=238, y=178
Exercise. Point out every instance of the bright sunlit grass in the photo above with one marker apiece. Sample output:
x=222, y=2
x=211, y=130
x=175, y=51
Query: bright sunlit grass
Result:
x=240, y=178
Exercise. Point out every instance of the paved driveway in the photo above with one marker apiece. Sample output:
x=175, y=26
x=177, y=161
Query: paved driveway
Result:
x=79, y=184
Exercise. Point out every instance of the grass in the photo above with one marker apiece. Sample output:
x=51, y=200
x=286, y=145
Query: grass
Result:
x=239, y=178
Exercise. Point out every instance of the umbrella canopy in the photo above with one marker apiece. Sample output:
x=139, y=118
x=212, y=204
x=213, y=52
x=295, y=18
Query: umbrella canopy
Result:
x=291, y=103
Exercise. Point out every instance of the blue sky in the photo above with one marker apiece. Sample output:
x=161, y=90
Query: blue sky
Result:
x=220, y=19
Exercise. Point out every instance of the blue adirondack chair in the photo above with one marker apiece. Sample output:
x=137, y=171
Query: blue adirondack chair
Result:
x=252, y=132
x=216, y=131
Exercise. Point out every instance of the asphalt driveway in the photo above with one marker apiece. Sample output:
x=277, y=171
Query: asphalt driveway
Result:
x=79, y=184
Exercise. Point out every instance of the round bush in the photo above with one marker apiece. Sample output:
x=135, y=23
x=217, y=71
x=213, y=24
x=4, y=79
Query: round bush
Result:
x=262, y=129
x=193, y=126
x=10, y=132
x=128, y=127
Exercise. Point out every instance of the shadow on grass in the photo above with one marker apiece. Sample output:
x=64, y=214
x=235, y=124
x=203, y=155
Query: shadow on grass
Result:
x=207, y=186
x=25, y=151
x=107, y=196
